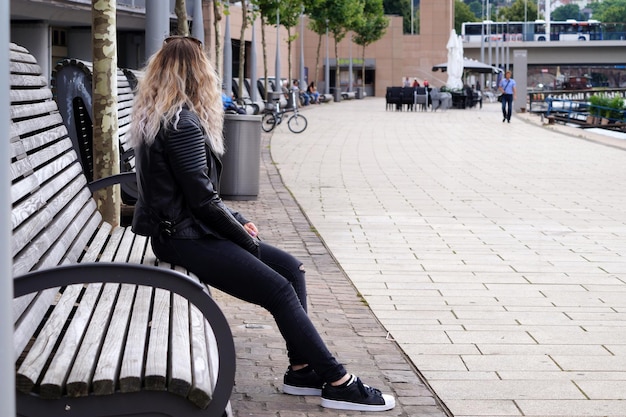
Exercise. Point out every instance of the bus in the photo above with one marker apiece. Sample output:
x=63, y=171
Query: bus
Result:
x=569, y=30
x=572, y=30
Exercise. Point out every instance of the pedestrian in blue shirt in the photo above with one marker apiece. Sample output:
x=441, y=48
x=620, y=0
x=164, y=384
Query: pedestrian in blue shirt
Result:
x=508, y=88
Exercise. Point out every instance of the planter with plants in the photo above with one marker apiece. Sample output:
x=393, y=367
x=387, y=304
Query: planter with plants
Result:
x=604, y=109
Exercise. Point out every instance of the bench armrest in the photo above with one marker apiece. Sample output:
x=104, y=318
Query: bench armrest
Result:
x=151, y=276
x=123, y=178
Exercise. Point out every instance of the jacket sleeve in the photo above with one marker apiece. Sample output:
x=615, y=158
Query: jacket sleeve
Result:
x=188, y=158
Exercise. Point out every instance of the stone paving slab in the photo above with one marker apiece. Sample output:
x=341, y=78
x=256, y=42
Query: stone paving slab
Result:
x=344, y=319
x=493, y=253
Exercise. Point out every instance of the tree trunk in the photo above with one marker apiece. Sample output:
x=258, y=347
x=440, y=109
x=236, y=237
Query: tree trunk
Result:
x=363, y=69
x=289, y=42
x=217, y=17
x=181, y=15
x=317, y=59
x=106, y=157
x=337, y=83
x=242, y=48
x=264, y=44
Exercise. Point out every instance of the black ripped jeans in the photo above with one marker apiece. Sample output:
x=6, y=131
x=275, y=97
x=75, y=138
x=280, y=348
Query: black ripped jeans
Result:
x=275, y=281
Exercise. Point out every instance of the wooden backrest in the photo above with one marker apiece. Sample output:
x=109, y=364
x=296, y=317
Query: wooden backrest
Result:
x=53, y=214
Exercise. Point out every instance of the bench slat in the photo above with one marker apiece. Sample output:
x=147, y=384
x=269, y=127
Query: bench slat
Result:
x=38, y=354
x=156, y=360
x=37, y=306
x=29, y=95
x=180, y=356
x=34, y=109
x=202, y=382
x=132, y=366
x=105, y=376
x=79, y=380
x=24, y=80
x=53, y=383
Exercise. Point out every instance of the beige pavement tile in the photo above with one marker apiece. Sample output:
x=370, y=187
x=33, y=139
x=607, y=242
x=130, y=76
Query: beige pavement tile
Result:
x=477, y=408
x=508, y=390
x=578, y=408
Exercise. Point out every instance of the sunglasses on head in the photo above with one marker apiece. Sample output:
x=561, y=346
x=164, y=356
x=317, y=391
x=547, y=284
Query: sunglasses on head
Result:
x=171, y=38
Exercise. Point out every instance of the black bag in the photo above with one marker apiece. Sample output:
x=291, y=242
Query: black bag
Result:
x=500, y=98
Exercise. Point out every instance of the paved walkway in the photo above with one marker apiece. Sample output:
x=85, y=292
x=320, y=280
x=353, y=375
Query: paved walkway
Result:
x=345, y=321
x=493, y=253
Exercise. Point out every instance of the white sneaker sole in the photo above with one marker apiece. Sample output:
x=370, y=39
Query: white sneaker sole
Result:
x=291, y=390
x=390, y=402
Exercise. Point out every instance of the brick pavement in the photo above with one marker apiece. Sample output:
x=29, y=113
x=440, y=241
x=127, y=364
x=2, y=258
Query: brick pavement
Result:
x=344, y=319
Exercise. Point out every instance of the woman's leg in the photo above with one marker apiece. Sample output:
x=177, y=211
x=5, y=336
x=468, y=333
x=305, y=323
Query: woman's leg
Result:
x=288, y=266
x=229, y=268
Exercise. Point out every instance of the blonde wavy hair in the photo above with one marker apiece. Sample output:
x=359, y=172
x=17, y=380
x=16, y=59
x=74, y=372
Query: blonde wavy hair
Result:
x=179, y=74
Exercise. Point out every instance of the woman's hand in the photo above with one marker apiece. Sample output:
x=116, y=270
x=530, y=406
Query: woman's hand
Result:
x=251, y=229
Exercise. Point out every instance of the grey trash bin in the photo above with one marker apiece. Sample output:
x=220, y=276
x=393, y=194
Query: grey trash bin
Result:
x=242, y=159
x=359, y=93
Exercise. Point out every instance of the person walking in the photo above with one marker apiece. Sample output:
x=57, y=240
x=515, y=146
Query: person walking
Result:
x=508, y=89
x=176, y=133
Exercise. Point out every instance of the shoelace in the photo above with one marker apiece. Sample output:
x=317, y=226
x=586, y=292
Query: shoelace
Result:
x=366, y=390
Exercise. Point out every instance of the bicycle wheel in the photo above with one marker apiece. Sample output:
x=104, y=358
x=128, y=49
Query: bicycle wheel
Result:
x=268, y=122
x=297, y=123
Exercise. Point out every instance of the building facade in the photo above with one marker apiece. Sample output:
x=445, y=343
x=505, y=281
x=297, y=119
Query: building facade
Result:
x=58, y=29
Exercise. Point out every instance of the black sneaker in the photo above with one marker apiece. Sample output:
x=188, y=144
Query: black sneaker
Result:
x=302, y=382
x=356, y=396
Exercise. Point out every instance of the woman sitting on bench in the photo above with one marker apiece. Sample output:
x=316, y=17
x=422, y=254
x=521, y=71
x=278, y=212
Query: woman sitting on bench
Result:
x=177, y=136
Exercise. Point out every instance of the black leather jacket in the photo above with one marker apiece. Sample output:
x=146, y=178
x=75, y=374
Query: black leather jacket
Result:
x=178, y=178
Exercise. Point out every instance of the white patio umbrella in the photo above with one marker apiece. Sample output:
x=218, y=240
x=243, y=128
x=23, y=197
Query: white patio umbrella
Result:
x=455, y=61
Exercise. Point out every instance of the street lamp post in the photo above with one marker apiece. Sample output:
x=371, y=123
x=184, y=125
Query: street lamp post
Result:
x=327, y=66
x=227, y=75
x=302, y=75
x=277, y=69
x=253, y=73
x=350, y=77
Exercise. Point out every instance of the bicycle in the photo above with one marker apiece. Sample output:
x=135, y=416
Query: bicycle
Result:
x=296, y=122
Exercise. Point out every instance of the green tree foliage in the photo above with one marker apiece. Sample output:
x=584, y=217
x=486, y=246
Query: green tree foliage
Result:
x=462, y=13
x=476, y=7
x=568, y=11
x=369, y=27
x=290, y=12
x=609, y=11
x=317, y=10
x=516, y=13
x=342, y=17
x=400, y=8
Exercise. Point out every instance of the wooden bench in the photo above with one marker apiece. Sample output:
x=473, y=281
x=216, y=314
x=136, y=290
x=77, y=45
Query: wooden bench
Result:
x=72, y=90
x=326, y=98
x=101, y=327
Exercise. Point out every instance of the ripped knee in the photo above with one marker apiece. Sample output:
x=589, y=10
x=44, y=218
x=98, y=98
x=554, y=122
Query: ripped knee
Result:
x=301, y=268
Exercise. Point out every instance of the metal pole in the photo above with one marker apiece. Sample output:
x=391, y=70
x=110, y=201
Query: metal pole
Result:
x=482, y=42
x=157, y=25
x=197, y=31
x=227, y=74
x=253, y=76
x=547, y=12
x=303, y=82
x=327, y=68
x=412, y=14
x=489, y=39
x=350, y=77
x=7, y=367
x=508, y=43
x=277, y=80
